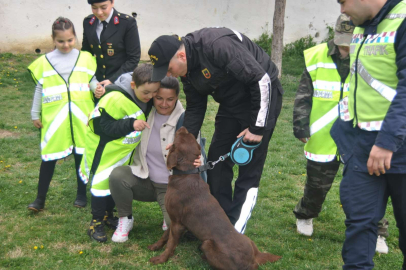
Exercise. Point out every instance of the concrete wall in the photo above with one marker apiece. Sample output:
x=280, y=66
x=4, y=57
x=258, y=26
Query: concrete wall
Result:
x=26, y=24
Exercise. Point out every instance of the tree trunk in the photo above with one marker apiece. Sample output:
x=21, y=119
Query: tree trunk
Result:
x=278, y=28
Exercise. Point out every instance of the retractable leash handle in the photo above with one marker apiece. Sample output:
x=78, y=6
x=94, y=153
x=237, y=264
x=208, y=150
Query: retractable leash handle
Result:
x=241, y=153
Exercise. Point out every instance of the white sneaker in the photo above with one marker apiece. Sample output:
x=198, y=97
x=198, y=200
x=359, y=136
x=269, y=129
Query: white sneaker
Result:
x=381, y=246
x=124, y=227
x=164, y=226
x=305, y=226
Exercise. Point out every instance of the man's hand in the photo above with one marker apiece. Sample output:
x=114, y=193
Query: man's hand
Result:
x=99, y=91
x=249, y=137
x=139, y=125
x=379, y=160
x=105, y=82
x=37, y=123
x=304, y=140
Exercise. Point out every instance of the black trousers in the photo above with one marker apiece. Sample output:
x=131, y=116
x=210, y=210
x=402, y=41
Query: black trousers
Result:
x=238, y=206
x=47, y=171
x=101, y=205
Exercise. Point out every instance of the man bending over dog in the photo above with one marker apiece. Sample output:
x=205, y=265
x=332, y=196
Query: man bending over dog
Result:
x=242, y=78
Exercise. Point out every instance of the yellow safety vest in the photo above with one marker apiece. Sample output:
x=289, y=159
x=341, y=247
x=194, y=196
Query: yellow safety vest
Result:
x=65, y=105
x=111, y=153
x=328, y=90
x=373, y=72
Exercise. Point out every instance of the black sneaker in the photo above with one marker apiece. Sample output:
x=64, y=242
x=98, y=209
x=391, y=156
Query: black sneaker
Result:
x=110, y=220
x=37, y=205
x=96, y=231
x=80, y=202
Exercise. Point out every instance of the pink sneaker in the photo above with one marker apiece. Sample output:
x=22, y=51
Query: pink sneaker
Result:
x=124, y=227
x=164, y=226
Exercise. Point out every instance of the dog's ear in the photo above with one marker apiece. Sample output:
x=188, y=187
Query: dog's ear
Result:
x=172, y=159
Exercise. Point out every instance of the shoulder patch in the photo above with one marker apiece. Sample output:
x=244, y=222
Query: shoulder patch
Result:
x=92, y=20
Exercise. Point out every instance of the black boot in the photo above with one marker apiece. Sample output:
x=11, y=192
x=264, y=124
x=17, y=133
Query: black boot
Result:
x=81, y=201
x=37, y=205
x=96, y=231
x=110, y=220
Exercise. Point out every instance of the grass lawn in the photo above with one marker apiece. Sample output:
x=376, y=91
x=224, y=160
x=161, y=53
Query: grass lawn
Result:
x=56, y=238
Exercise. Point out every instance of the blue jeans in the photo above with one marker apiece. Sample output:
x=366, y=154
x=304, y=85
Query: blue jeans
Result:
x=364, y=198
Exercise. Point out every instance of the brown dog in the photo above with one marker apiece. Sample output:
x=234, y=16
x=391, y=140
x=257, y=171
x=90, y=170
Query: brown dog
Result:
x=191, y=207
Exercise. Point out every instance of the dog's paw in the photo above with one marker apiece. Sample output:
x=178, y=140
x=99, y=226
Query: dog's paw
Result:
x=157, y=260
x=155, y=247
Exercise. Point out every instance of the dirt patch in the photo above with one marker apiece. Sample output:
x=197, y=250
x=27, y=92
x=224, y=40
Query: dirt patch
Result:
x=7, y=134
x=15, y=253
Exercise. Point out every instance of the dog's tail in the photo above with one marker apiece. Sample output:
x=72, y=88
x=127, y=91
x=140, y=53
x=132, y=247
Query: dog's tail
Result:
x=263, y=257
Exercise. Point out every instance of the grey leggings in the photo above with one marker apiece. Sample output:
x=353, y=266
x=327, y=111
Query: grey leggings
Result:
x=126, y=187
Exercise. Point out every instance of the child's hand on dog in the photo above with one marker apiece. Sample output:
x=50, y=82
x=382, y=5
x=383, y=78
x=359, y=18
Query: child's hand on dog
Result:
x=197, y=162
x=139, y=125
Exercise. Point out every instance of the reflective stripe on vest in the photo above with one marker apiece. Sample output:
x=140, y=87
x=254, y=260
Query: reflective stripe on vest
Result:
x=59, y=99
x=327, y=87
x=100, y=180
x=374, y=71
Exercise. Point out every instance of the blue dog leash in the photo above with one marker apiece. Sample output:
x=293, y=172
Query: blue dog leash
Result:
x=241, y=154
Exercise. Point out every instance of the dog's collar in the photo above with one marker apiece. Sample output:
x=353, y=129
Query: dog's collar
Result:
x=197, y=170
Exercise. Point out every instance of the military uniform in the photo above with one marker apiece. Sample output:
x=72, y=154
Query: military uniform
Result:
x=119, y=48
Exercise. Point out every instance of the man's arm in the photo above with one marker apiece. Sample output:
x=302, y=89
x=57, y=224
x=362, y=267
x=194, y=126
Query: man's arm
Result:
x=132, y=48
x=302, y=107
x=230, y=54
x=196, y=105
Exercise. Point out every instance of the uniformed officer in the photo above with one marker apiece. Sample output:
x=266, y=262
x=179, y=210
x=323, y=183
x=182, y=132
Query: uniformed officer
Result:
x=112, y=37
x=371, y=135
x=323, y=82
x=242, y=78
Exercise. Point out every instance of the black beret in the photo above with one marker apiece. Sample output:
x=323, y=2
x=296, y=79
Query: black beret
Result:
x=96, y=1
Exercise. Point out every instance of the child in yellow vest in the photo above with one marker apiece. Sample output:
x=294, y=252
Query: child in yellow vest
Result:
x=63, y=99
x=114, y=131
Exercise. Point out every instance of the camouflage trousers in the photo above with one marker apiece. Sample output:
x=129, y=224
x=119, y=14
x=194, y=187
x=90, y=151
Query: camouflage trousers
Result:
x=320, y=177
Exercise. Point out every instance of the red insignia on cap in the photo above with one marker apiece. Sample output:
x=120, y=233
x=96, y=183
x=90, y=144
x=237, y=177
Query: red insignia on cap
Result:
x=116, y=21
x=92, y=20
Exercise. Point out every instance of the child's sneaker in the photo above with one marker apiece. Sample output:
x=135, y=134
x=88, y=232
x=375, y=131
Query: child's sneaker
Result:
x=164, y=226
x=381, y=246
x=96, y=231
x=305, y=226
x=124, y=227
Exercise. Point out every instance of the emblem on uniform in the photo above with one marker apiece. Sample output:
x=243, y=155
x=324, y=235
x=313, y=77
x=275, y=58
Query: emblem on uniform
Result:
x=91, y=46
x=153, y=59
x=92, y=20
x=110, y=52
x=110, y=45
x=206, y=73
x=116, y=21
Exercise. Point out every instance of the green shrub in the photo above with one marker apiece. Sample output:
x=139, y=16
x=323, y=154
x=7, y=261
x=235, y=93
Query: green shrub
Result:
x=297, y=47
x=265, y=42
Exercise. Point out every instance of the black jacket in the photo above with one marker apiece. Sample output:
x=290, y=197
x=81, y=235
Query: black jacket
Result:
x=119, y=50
x=230, y=67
